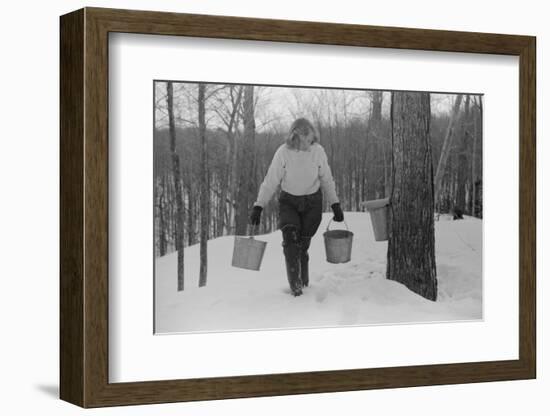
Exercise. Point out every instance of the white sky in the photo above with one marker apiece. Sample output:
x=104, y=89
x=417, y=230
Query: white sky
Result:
x=277, y=107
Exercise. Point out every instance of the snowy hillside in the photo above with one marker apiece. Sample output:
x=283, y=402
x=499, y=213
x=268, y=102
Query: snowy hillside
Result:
x=354, y=293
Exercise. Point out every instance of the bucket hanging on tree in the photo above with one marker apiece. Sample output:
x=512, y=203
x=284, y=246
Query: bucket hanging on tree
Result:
x=338, y=244
x=378, y=210
x=248, y=252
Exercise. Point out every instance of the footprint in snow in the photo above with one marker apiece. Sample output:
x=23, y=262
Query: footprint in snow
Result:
x=321, y=295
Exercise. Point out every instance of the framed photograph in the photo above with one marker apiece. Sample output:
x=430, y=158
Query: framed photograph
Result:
x=255, y=207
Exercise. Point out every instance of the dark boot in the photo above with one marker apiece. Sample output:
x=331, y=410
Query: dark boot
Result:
x=291, y=249
x=293, y=274
x=304, y=261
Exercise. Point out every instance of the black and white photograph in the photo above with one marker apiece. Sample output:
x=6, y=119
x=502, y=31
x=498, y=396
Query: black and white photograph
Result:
x=286, y=207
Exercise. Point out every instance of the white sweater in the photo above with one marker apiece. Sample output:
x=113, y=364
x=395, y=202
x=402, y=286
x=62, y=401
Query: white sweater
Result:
x=298, y=173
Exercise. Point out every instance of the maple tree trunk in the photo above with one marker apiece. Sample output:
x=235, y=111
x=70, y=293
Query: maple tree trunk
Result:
x=411, y=245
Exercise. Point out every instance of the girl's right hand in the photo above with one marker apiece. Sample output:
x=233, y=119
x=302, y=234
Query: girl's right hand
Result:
x=255, y=215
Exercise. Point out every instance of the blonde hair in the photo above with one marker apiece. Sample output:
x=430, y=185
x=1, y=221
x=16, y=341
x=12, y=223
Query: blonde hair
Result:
x=300, y=126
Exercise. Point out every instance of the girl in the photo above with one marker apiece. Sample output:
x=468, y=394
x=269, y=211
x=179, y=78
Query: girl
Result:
x=301, y=168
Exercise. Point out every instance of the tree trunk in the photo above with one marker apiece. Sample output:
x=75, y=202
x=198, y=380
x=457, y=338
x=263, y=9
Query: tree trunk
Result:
x=411, y=245
x=379, y=145
x=446, y=146
x=473, y=168
x=204, y=193
x=162, y=217
x=463, y=158
x=190, y=218
x=177, y=182
x=478, y=116
x=224, y=186
x=230, y=167
x=247, y=184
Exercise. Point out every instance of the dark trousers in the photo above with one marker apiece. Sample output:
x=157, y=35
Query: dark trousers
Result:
x=299, y=219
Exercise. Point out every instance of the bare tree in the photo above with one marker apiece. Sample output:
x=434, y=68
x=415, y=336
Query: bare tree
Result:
x=463, y=157
x=177, y=182
x=446, y=146
x=411, y=245
x=228, y=114
x=204, y=190
x=477, y=120
x=247, y=185
x=161, y=214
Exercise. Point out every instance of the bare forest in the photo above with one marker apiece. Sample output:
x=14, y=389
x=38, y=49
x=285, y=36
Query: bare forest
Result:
x=213, y=144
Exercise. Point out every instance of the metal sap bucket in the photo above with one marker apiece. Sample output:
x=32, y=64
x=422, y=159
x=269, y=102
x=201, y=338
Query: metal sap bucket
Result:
x=338, y=244
x=248, y=252
x=378, y=210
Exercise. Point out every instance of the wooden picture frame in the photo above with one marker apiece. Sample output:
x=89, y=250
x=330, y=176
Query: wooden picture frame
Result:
x=84, y=207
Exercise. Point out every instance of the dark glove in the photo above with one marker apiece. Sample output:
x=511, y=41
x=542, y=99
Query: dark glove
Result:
x=255, y=215
x=338, y=214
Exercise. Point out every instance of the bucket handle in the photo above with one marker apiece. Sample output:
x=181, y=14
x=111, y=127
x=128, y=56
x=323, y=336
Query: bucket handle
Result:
x=254, y=229
x=347, y=228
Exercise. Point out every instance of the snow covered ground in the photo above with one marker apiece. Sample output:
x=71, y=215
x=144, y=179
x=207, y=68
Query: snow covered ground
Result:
x=354, y=293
